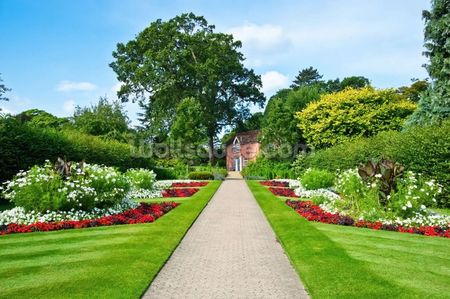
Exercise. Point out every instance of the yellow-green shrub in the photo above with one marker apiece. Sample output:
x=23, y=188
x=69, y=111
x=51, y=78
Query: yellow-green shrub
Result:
x=351, y=113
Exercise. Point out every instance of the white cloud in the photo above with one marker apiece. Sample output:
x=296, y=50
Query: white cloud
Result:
x=66, y=85
x=69, y=106
x=262, y=37
x=273, y=80
x=4, y=110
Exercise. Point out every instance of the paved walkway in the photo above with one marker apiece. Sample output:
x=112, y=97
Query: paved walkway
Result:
x=229, y=252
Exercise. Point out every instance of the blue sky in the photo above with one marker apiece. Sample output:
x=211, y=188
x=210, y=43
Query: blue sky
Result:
x=55, y=54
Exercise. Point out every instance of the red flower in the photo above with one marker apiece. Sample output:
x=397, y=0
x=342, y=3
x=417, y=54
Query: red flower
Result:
x=285, y=192
x=189, y=184
x=144, y=213
x=312, y=212
x=185, y=192
x=274, y=183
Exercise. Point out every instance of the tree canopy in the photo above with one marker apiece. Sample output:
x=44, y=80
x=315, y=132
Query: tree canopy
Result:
x=353, y=113
x=306, y=77
x=434, y=104
x=185, y=58
x=41, y=119
x=105, y=119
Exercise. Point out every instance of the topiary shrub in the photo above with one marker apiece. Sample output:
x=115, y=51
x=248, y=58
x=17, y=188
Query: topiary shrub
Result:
x=314, y=179
x=201, y=175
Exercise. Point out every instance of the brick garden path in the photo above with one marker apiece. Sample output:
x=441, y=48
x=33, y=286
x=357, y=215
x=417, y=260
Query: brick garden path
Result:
x=229, y=252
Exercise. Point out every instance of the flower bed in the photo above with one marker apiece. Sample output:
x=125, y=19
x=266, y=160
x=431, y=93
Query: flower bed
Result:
x=313, y=212
x=275, y=183
x=185, y=192
x=285, y=192
x=188, y=184
x=144, y=213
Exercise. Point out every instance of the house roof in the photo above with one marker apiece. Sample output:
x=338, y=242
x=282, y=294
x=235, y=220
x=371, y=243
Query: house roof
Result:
x=245, y=137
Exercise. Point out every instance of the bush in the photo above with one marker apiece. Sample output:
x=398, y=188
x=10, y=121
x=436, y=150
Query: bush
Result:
x=314, y=179
x=201, y=175
x=42, y=188
x=267, y=169
x=141, y=178
x=424, y=150
x=353, y=113
x=23, y=146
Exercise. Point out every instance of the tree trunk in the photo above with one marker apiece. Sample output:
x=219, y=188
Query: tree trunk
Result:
x=212, y=158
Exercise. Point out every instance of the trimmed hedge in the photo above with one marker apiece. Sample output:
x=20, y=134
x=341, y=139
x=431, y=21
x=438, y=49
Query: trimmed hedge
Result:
x=22, y=146
x=424, y=150
x=201, y=175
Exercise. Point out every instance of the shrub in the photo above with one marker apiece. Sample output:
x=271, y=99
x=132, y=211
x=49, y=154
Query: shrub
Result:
x=201, y=175
x=314, y=179
x=353, y=113
x=264, y=168
x=141, y=178
x=23, y=146
x=42, y=188
x=424, y=150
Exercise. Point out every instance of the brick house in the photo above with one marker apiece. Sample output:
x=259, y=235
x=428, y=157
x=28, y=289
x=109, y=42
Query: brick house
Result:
x=241, y=149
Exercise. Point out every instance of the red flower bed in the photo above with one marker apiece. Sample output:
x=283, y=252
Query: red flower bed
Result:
x=315, y=213
x=144, y=213
x=186, y=192
x=189, y=184
x=286, y=192
x=274, y=184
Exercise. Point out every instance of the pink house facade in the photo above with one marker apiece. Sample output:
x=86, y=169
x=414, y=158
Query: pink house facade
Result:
x=241, y=149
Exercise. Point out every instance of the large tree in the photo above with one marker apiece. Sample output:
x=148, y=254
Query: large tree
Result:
x=306, y=77
x=184, y=57
x=434, y=104
x=280, y=127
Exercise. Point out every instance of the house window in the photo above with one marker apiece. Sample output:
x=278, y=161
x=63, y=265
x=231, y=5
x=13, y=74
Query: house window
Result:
x=236, y=146
x=245, y=162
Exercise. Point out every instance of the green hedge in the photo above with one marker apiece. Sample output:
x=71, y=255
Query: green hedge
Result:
x=201, y=175
x=264, y=168
x=22, y=146
x=424, y=150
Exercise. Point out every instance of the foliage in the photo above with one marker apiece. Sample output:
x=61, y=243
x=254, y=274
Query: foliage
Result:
x=23, y=146
x=141, y=178
x=183, y=57
x=306, y=77
x=104, y=119
x=423, y=150
x=3, y=90
x=280, y=126
x=385, y=174
x=43, y=188
x=314, y=179
x=187, y=126
x=267, y=169
x=200, y=175
x=41, y=119
x=434, y=105
x=415, y=90
x=352, y=113
x=406, y=203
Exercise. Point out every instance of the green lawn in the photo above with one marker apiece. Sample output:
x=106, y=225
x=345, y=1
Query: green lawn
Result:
x=346, y=262
x=105, y=262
